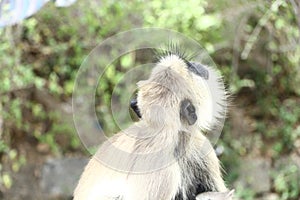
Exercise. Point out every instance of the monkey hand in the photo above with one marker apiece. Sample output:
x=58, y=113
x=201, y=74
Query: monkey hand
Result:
x=216, y=195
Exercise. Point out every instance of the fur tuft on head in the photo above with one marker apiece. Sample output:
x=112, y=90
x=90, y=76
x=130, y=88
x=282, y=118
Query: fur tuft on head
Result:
x=173, y=49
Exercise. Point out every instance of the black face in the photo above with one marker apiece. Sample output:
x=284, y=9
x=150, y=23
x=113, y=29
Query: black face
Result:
x=198, y=69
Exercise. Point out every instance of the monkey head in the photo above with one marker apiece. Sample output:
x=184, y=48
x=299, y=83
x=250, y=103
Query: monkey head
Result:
x=178, y=92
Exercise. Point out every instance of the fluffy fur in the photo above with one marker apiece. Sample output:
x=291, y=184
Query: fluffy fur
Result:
x=179, y=161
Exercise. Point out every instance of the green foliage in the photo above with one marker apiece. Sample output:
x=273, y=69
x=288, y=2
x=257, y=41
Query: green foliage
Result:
x=287, y=182
x=244, y=193
x=16, y=161
x=193, y=18
x=286, y=129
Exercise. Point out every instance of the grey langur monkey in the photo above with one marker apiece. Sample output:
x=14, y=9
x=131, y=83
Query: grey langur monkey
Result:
x=165, y=155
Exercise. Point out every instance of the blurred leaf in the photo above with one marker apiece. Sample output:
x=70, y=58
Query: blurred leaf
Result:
x=7, y=181
x=207, y=21
x=127, y=61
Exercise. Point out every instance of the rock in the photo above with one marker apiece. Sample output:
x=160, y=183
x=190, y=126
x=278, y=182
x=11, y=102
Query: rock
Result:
x=60, y=176
x=254, y=174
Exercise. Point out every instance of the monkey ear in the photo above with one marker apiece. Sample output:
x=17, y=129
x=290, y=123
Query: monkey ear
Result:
x=188, y=112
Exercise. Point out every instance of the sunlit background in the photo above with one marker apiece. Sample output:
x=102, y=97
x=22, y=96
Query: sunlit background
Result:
x=255, y=44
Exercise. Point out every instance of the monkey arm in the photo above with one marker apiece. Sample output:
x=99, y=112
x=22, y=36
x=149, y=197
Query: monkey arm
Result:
x=228, y=195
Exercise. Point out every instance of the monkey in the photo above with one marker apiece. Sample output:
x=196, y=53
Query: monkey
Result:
x=165, y=155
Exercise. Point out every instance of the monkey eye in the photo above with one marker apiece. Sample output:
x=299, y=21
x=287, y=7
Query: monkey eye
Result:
x=198, y=69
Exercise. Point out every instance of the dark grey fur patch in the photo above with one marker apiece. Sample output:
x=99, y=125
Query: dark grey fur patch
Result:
x=194, y=171
x=198, y=69
x=188, y=112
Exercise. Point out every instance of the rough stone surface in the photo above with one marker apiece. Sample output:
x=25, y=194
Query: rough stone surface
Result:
x=255, y=174
x=60, y=176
